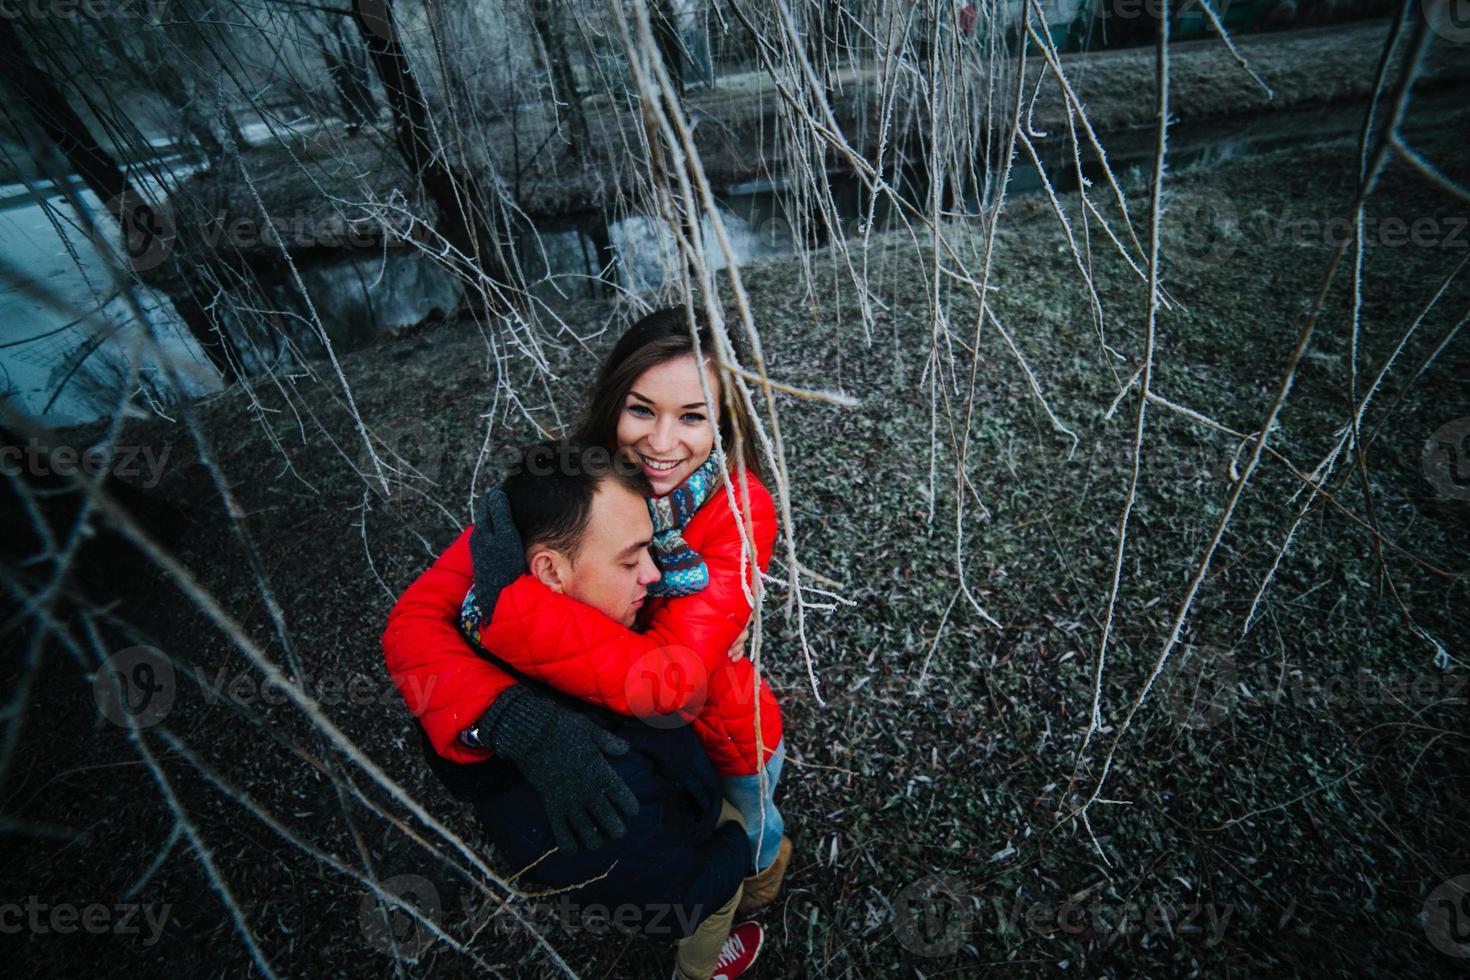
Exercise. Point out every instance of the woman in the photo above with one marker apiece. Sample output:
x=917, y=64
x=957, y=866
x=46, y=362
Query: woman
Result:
x=649, y=404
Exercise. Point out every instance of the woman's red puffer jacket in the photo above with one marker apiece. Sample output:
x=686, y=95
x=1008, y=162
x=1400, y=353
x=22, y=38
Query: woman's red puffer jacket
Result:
x=680, y=662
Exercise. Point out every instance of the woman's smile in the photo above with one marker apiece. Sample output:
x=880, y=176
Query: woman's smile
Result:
x=659, y=465
x=664, y=472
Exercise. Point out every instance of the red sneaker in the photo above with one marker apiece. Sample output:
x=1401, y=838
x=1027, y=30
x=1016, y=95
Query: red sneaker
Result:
x=739, y=951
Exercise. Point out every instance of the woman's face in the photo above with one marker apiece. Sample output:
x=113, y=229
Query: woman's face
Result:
x=664, y=420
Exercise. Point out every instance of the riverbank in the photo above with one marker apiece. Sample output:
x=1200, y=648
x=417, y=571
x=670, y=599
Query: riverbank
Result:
x=735, y=128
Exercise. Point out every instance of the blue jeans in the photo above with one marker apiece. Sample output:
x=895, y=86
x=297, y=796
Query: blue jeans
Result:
x=763, y=823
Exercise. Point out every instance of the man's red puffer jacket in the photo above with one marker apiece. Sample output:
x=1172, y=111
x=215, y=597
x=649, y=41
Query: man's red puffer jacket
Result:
x=579, y=651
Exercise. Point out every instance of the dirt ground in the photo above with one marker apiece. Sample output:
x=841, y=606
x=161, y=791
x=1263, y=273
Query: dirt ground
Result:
x=1292, y=820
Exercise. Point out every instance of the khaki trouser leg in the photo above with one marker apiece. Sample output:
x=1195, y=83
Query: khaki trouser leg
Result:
x=699, y=951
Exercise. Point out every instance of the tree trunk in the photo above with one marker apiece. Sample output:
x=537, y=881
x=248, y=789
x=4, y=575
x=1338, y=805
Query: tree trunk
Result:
x=453, y=192
x=598, y=233
x=666, y=33
x=546, y=19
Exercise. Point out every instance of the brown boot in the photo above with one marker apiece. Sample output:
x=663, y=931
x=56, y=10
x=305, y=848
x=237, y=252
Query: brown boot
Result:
x=762, y=887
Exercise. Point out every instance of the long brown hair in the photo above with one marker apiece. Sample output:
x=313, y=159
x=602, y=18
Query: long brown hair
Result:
x=659, y=336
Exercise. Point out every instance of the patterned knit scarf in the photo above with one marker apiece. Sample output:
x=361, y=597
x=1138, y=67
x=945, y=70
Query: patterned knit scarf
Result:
x=470, y=619
x=684, y=571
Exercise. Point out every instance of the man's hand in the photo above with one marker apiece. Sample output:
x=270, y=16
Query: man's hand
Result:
x=737, y=650
x=560, y=752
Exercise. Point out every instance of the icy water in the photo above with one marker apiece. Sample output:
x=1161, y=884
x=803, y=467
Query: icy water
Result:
x=50, y=323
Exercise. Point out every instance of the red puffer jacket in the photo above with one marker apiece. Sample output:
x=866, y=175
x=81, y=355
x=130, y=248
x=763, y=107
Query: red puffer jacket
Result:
x=445, y=684
x=679, y=663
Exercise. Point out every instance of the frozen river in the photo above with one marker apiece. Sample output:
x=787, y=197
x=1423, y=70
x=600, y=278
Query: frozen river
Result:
x=69, y=303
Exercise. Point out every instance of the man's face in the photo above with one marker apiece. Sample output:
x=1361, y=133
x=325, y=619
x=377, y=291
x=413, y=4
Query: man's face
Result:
x=613, y=568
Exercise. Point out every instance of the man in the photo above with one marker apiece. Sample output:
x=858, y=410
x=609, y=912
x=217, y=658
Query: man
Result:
x=536, y=764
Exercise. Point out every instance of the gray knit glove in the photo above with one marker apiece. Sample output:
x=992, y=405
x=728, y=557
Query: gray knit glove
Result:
x=560, y=752
x=495, y=550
